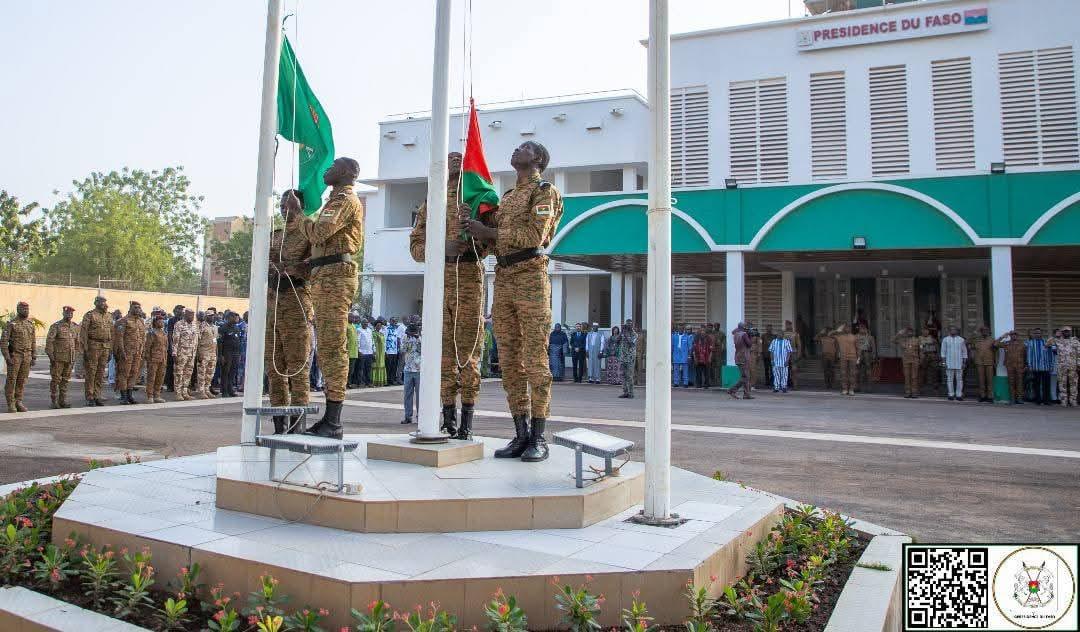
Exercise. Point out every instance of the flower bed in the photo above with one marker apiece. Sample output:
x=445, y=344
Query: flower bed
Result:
x=795, y=577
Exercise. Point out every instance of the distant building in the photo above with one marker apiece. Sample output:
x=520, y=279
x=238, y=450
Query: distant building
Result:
x=213, y=279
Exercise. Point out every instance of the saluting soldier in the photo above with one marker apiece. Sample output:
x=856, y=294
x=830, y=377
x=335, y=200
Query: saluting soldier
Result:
x=1015, y=359
x=867, y=357
x=336, y=234
x=463, y=304
x=911, y=354
x=19, y=347
x=526, y=221
x=984, y=349
x=95, y=339
x=129, y=336
x=61, y=345
x=827, y=343
x=930, y=365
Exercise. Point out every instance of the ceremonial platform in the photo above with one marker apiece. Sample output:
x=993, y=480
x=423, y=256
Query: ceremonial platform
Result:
x=412, y=534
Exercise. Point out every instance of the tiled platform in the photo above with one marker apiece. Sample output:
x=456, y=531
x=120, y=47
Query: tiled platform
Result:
x=169, y=506
x=480, y=495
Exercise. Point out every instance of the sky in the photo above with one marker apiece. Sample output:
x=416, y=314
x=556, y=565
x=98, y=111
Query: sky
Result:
x=96, y=86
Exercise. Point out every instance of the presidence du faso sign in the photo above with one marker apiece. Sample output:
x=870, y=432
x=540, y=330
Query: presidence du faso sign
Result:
x=884, y=28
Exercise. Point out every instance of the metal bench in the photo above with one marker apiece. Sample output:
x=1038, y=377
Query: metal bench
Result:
x=300, y=443
x=584, y=441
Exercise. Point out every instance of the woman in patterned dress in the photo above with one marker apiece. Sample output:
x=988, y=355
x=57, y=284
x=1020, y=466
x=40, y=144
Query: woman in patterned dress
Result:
x=612, y=366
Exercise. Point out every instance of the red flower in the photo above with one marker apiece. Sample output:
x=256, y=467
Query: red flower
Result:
x=323, y=612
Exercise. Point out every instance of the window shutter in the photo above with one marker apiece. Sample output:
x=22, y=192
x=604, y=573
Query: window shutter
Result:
x=762, y=298
x=954, y=117
x=1038, y=107
x=1045, y=301
x=689, y=137
x=828, y=125
x=689, y=300
x=890, y=153
x=758, y=118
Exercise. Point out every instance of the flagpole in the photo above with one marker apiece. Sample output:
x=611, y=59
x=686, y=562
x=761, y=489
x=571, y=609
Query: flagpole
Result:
x=435, y=237
x=658, y=296
x=260, y=245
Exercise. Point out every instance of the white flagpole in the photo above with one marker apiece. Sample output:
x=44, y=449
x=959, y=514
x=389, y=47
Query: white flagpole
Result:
x=264, y=199
x=435, y=247
x=658, y=296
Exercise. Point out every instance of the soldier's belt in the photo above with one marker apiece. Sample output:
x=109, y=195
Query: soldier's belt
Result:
x=468, y=257
x=318, y=262
x=286, y=282
x=517, y=257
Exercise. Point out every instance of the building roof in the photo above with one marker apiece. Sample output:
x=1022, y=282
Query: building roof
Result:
x=522, y=104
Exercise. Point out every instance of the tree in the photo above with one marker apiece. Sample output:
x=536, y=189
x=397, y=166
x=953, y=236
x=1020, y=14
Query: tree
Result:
x=22, y=240
x=136, y=225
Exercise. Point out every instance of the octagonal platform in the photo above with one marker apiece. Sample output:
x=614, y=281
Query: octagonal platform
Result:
x=173, y=507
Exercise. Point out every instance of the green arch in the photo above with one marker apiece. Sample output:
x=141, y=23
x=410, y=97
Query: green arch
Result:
x=624, y=230
x=1061, y=230
x=885, y=218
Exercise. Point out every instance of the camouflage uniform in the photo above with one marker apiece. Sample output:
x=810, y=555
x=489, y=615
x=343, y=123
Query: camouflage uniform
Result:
x=463, y=304
x=19, y=341
x=930, y=365
x=985, y=359
x=755, y=360
x=185, y=342
x=829, y=358
x=796, y=352
x=61, y=345
x=527, y=218
x=206, y=355
x=288, y=312
x=129, y=336
x=847, y=348
x=626, y=354
x=1068, y=355
x=867, y=356
x=337, y=229
x=1015, y=359
x=156, y=352
x=95, y=337
x=911, y=353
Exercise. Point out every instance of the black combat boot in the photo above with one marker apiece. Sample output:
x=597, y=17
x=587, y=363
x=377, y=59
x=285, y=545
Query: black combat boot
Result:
x=449, y=420
x=516, y=447
x=294, y=424
x=537, y=449
x=330, y=425
x=279, y=424
x=131, y=397
x=464, y=432
x=98, y=401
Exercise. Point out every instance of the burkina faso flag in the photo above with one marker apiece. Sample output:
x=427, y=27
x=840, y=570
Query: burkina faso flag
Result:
x=476, y=188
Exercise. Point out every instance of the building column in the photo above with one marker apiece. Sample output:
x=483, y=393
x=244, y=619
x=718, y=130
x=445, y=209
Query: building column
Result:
x=376, y=295
x=629, y=178
x=489, y=295
x=1002, y=315
x=629, y=282
x=617, y=279
x=644, y=324
x=557, y=296
x=787, y=297
x=734, y=286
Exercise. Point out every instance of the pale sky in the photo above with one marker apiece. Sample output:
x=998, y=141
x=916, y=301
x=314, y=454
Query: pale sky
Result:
x=110, y=83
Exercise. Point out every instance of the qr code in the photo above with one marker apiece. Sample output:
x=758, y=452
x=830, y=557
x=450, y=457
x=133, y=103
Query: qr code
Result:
x=947, y=588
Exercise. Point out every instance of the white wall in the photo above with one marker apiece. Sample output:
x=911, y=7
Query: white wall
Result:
x=576, y=287
x=768, y=51
x=717, y=298
x=400, y=294
x=402, y=199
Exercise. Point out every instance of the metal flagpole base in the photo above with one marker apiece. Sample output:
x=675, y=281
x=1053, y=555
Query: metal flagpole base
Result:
x=416, y=437
x=671, y=521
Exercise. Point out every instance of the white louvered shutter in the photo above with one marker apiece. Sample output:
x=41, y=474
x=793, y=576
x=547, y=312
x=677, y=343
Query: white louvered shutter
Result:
x=689, y=136
x=758, y=118
x=954, y=115
x=690, y=302
x=890, y=151
x=1038, y=107
x=1046, y=301
x=828, y=126
x=762, y=298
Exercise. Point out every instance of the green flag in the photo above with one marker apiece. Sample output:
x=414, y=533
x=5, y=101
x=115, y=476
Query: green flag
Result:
x=302, y=120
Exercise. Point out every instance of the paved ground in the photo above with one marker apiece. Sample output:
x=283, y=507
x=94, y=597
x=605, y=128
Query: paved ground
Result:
x=941, y=471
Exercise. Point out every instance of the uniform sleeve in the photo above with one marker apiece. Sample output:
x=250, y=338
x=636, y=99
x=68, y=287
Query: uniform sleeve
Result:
x=537, y=223
x=417, y=238
x=335, y=215
x=82, y=332
x=118, y=337
x=5, y=338
x=50, y=341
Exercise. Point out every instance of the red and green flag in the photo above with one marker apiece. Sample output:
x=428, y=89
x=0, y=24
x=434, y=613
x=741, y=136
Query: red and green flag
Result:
x=476, y=188
x=302, y=120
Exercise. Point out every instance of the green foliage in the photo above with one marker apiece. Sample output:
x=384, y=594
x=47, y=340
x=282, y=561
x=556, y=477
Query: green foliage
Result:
x=702, y=607
x=98, y=574
x=306, y=620
x=140, y=226
x=22, y=240
x=274, y=624
x=636, y=618
x=378, y=618
x=266, y=600
x=173, y=614
x=7, y=317
x=54, y=567
x=580, y=608
x=504, y=615
x=133, y=596
x=435, y=620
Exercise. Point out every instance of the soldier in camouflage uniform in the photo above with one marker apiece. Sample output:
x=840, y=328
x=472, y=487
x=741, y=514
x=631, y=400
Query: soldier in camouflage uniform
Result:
x=795, y=339
x=463, y=303
x=19, y=345
x=156, y=351
x=1015, y=360
x=1068, y=356
x=206, y=356
x=911, y=354
x=95, y=339
x=930, y=365
x=868, y=357
x=61, y=345
x=185, y=342
x=129, y=336
x=336, y=234
x=527, y=218
x=984, y=351
x=626, y=354
x=288, y=336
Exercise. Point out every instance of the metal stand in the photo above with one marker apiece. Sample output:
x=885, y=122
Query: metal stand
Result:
x=595, y=443
x=299, y=443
